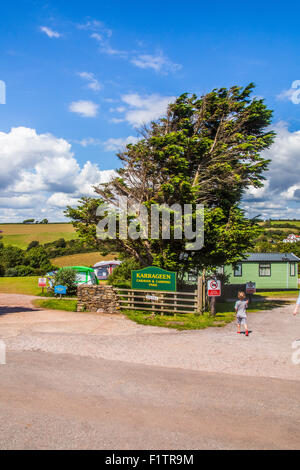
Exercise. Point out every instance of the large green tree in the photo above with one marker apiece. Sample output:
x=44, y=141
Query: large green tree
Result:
x=206, y=150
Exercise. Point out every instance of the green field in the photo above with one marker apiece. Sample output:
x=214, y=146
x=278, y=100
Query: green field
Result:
x=20, y=285
x=21, y=235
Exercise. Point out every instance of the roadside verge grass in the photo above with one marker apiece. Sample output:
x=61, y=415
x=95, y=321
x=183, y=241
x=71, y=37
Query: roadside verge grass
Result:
x=56, y=304
x=189, y=321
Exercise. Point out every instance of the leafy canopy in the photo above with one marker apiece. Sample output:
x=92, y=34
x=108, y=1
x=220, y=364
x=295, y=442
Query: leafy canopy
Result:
x=206, y=150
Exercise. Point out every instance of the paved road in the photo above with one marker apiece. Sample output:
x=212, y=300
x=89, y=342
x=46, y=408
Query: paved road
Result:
x=76, y=381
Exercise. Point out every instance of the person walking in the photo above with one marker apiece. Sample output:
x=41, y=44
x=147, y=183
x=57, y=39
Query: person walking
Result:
x=241, y=306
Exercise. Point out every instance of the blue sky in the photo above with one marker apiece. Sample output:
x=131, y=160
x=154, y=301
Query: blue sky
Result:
x=81, y=77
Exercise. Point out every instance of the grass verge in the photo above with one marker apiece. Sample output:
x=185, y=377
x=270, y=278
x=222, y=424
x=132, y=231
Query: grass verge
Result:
x=190, y=321
x=56, y=304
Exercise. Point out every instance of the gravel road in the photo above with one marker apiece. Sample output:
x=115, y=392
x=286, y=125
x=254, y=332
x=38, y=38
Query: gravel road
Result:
x=100, y=381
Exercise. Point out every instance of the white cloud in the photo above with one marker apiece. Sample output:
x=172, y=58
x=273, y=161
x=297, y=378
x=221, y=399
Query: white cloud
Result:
x=93, y=83
x=50, y=32
x=22, y=148
x=143, y=109
x=105, y=47
x=84, y=108
x=116, y=120
x=35, y=168
x=109, y=145
x=61, y=200
x=24, y=201
x=89, y=141
x=281, y=193
x=113, y=145
x=95, y=25
x=159, y=63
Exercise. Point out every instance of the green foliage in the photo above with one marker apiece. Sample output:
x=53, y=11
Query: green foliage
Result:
x=28, y=221
x=121, y=276
x=206, y=150
x=61, y=243
x=33, y=244
x=2, y=270
x=17, y=262
x=11, y=256
x=66, y=277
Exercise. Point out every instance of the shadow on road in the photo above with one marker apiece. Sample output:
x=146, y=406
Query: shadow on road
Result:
x=11, y=310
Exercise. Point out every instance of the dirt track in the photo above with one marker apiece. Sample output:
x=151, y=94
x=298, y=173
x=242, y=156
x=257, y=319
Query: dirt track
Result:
x=96, y=381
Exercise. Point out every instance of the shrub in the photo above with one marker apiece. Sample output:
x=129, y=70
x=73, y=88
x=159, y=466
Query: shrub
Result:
x=122, y=274
x=2, y=270
x=66, y=277
x=33, y=244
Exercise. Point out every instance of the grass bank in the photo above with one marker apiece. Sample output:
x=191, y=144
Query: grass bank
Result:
x=56, y=304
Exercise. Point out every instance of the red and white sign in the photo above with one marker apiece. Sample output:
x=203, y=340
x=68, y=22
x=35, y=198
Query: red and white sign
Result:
x=214, y=288
x=42, y=282
x=250, y=288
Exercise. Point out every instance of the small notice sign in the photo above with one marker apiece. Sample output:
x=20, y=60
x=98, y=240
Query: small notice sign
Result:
x=250, y=288
x=62, y=290
x=214, y=288
x=152, y=297
x=42, y=282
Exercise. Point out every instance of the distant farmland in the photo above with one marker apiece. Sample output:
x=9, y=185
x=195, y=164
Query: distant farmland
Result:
x=81, y=259
x=21, y=235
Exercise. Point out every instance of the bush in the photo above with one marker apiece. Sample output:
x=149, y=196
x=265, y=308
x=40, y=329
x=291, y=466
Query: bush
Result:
x=2, y=270
x=11, y=256
x=66, y=277
x=33, y=244
x=60, y=243
x=121, y=275
x=11, y=272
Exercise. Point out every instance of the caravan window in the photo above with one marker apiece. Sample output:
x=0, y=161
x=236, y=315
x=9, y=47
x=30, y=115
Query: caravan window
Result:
x=81, y=277
x=238, y=270
x=293, y=269
x=264, y=269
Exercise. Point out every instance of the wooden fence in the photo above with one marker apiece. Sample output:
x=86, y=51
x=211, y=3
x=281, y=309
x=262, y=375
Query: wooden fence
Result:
x=161, y=301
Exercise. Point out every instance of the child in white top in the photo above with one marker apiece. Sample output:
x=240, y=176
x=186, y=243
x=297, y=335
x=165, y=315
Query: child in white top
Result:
x=241, y=315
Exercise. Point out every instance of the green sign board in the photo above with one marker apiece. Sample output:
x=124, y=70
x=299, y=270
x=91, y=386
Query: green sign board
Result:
x=153, y=278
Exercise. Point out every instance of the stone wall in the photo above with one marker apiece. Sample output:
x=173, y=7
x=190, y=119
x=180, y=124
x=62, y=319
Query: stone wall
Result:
x=101, y=299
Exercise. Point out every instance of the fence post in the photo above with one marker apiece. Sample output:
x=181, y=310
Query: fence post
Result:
x=200, y=296
x=203, y=291
x=175, y=304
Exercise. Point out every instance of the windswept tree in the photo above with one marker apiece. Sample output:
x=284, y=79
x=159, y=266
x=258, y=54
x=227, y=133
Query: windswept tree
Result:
x=206, y=150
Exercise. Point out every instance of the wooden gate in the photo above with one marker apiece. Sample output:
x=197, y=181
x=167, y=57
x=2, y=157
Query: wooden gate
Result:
x=161, y=301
